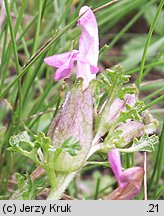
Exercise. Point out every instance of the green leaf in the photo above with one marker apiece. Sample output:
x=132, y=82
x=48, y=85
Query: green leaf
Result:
x=127, y=90
x=21, y=137
x=116, y=76
x=131, y=112
x=145, y=143
x=72, y=146
x=42, y=141
x=28, y=189
x=20, y=180
x=32, y=152
x=112, y=141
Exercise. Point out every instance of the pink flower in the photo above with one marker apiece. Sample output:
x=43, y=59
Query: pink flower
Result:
x=129, y=181
x=111, y=112
x=86, y=56
x=119, y=105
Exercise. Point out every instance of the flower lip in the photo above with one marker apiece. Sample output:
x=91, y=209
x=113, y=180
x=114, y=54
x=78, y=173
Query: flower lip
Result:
x=60, y=59
x=63, y=62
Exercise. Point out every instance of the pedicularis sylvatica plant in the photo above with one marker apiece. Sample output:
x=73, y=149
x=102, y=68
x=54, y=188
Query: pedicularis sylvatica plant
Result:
x=100, y=114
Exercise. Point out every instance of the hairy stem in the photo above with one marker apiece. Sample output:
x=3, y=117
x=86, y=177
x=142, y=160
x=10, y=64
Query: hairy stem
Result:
x=63, y=180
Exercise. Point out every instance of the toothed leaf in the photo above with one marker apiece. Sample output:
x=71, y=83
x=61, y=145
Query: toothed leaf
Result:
x=145, y=143
x=42, y=141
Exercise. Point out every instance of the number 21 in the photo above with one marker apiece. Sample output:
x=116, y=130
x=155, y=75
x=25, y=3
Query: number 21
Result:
x=154, y=208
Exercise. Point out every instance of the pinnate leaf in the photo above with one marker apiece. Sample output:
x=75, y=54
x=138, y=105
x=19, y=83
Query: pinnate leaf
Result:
x=145, y=143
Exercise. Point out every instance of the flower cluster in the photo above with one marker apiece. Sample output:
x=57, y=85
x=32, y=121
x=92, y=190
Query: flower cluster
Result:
x=118, y=118
x=99, y=114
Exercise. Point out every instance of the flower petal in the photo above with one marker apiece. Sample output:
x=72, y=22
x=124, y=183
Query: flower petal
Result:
x=85, y=74
x=133, y=175
x=122, y=177
x=62, y=72
x=122, y=193
x=115, y=163
x=64, y=62
x=88, y=46
x=130, y=99
x=131, y=188
x=129, y=181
